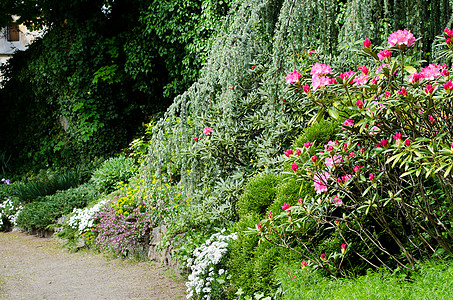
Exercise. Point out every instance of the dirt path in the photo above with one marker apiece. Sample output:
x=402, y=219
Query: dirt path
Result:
x=37, y=268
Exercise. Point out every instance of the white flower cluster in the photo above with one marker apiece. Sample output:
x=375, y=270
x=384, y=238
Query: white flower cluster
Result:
x=9, y=211
x=207, y=256
x=82, y=219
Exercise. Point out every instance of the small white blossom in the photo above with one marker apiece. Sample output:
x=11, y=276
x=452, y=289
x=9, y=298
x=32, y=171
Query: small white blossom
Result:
x=206, y=257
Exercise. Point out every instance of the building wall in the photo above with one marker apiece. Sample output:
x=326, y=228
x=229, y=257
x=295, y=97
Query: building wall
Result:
x=7, y=48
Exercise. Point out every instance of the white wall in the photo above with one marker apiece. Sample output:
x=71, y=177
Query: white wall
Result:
x=7, y=48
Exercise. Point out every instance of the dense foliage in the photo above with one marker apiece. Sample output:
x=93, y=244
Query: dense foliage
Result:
x=342, y=166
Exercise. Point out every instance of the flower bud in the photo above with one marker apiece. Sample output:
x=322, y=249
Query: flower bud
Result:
x=367, y=43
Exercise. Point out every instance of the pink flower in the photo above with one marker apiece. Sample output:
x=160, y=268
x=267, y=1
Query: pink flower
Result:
x=292, y=77
x=448, y=41
x=397, y=136
x=260, y=225
x=286, y=206
x=448, y=32
x=384, y=142
x=346, y=75
x=314, y=158
x=445, y=72
x=270, y=215
x=348, y=123
x=253, y=67
x=451, y=145
x=371, y=176
x=343, y=248
x=383, y=54
x=308, y=144
x=298, y=152
x=400, y=38
x=319, y=82
x=345, y=146
x=320, y=187
x=346, y=178
x=329, y=148
x=320, y=70
x=407, y=142
x=195, y=139
x=430, y=72
x=294, y=166
x=387, y=94
x=429, y=89
x=311, y=52
x=364, y=70
x=356, y=169
x=303, y=264
x=288, y=152
x=306, y=88
x=360, y=80
x=330, y=161
x=332, y=81
x=207, y=130
x=283, y=100
x=374, y=130
x=448, y=85
x=403, y=91
x=299, y=201
x=374, y=81
x=366, y=43
x=431, y=119
x=414, y=78
x=320, y=181
x=336, y=201
x=323, y=257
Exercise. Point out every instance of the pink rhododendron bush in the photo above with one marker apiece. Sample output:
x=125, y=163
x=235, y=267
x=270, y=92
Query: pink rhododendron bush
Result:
x=384, y=186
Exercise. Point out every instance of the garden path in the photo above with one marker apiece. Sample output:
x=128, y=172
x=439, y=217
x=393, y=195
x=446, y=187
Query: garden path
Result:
x=38, y=268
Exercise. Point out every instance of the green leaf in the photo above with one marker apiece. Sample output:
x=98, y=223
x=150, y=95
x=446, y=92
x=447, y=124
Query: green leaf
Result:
x=407, y=173
x=410, y=69
x=447, y=171
x=333, y=112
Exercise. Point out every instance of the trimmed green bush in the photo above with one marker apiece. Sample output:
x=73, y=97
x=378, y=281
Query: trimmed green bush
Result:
x=320, y=133
x=258, y=194
x=45, y=211
x=288, y=192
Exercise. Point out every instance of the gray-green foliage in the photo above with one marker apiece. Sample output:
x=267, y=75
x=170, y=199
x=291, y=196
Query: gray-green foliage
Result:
x=248, y=120
x=112, y=171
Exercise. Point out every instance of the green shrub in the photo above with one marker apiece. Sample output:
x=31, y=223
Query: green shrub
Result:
x=320, y=133
x=46, y=183
x=112, y=171
x=45, y=211
x=252, y=263
x=289, y=191
x=258, y=194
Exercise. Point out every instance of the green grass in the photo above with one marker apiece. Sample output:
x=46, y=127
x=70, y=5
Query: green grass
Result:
x=432, y=280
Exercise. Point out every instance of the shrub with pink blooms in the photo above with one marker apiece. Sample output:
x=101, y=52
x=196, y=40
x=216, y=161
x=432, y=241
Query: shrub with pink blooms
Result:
x=383, y=184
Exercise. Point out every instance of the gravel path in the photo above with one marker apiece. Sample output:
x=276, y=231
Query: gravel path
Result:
x=37, y=268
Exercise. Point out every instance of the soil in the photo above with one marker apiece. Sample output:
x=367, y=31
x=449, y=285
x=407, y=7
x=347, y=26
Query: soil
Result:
x=39, y=268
